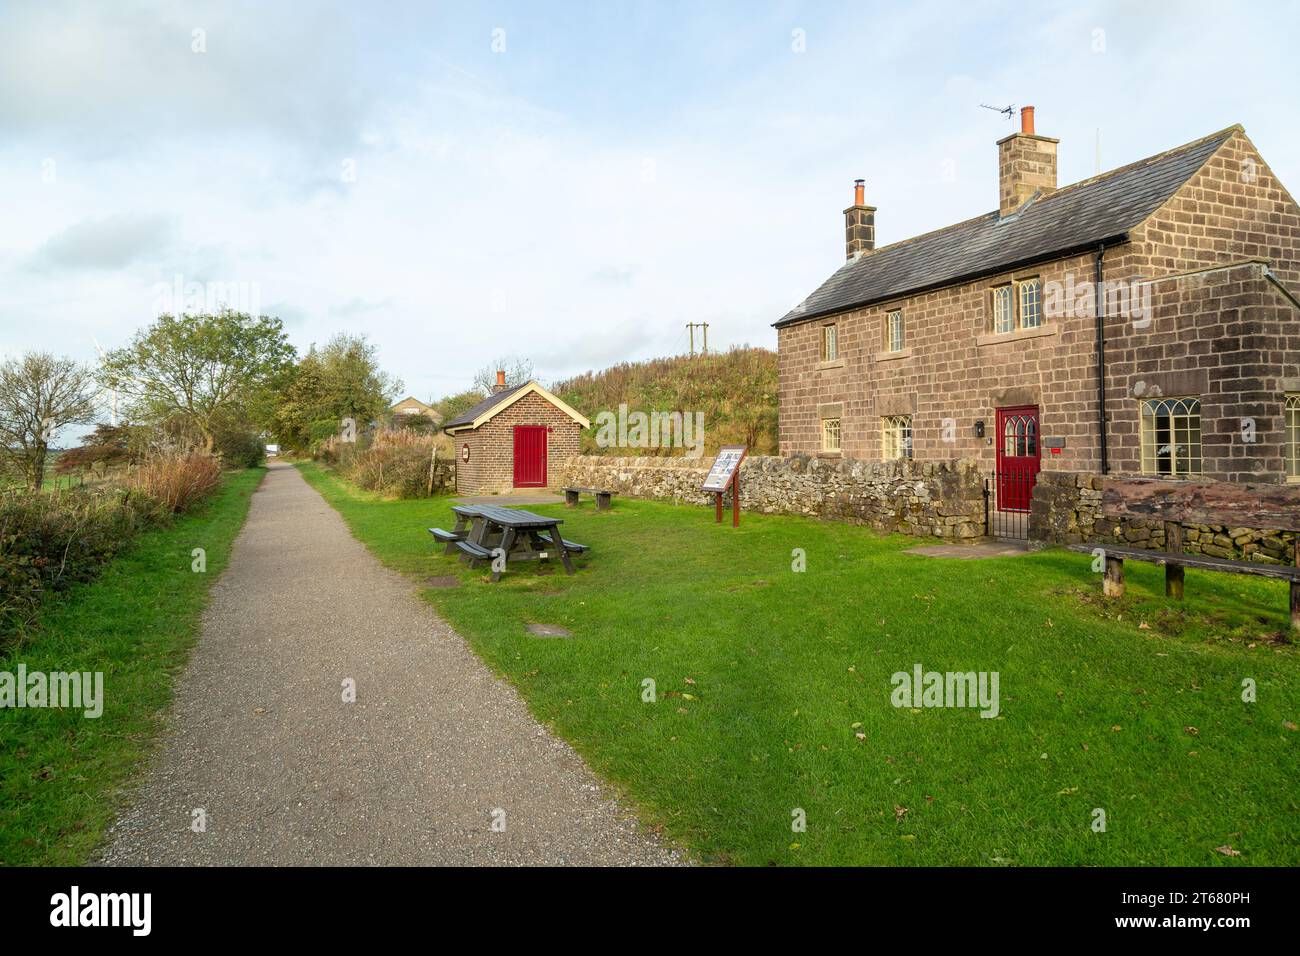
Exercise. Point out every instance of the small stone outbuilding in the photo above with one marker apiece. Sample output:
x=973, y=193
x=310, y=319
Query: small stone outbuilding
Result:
x=516, y=438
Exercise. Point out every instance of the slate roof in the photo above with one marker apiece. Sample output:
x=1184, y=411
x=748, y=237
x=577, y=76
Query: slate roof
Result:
x=469, y=416
x=1071, y=220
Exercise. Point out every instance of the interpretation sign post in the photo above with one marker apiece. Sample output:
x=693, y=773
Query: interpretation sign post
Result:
x=726, y=473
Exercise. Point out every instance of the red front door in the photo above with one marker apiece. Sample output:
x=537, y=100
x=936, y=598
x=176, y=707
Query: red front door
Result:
x=1018, y=456
x=530, y=456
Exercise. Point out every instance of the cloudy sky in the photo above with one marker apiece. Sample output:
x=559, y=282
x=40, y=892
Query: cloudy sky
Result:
x=570, y=182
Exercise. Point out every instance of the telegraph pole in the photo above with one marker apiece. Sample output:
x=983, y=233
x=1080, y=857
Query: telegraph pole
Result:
x=691, y=327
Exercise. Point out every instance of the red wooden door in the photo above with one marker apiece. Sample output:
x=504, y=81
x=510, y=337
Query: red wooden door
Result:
x=1018, y=456
x=530, y=456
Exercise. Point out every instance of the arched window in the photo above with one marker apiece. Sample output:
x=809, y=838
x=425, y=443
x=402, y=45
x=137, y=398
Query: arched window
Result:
x=1293, y=438
x=1020, y=436
x=1171, y=437
x=896, y=437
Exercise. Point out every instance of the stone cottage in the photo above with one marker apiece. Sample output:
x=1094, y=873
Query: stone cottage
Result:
x=988, y=340
x=413, y=406
x=516, y=438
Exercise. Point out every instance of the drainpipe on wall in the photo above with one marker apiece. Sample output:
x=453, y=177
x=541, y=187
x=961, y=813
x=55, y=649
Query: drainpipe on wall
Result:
x=1101, y=360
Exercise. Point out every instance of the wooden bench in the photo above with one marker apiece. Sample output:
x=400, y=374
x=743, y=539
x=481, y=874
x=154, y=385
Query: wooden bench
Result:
x=474, y=552
x=449, y=538
x=604, y=499
x=1262, y=506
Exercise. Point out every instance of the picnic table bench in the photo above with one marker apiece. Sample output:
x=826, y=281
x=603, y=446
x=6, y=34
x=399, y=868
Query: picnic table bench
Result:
x=487, y=532
x=604, y=499
x=1218, y=503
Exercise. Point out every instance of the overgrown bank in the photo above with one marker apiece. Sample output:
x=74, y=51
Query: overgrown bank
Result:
x=61, y=773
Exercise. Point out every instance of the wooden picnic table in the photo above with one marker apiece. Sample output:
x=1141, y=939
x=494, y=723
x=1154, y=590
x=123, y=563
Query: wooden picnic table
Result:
x=520, y=535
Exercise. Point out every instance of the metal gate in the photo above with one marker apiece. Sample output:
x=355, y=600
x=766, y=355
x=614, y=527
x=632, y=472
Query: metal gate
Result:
x=1005, y=487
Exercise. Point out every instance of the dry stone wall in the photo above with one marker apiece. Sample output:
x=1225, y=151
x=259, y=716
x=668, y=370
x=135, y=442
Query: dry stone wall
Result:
x=942, y=499
x=1067, y=510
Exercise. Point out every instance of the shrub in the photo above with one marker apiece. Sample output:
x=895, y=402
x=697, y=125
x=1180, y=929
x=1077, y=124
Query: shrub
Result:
x=178, y=480
x=240, y=448
x=397, y=462
x=49, y=542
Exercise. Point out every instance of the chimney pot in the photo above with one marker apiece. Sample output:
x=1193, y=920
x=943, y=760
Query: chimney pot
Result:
x=859, y=223
x=501, y=381
x=1026, y=165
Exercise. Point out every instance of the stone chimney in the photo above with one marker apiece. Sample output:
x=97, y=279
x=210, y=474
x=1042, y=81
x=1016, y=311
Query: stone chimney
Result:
x=500, y=386
x=859, y=224
x=1026, y=165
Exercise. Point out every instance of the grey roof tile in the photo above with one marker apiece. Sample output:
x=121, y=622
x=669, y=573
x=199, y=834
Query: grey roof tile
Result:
x=492, y=401
x=1072, y=219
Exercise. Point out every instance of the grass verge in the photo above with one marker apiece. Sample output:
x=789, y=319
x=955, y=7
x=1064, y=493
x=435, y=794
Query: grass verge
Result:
x=61, y=774
x=773, y=690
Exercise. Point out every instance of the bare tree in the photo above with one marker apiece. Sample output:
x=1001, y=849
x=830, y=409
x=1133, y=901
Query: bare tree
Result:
x=39, y=394
x=518, y=371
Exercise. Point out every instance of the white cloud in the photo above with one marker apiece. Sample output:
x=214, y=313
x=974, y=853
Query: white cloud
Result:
x=112, y=242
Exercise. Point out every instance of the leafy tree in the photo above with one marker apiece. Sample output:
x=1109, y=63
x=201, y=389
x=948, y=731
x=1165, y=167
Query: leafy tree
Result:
x=518, y=371
x=107, y=445
x=198, y=366
x=341, y=380
x=453, y=405
x=39, y=394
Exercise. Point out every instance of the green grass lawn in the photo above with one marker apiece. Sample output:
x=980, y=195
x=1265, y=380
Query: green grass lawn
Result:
x=767, y=677
x=61, y=774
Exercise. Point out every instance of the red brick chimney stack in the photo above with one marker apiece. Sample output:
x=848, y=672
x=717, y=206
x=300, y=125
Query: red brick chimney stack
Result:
x=501, y=381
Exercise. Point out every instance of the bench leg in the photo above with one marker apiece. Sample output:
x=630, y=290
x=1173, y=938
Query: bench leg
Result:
x=602, y=502
x=459, y=529
x=1174, y=545
x=558, y=540
x=1174, y=581
x=507, y=542
x=571, y=499
x=1295, y=605
x=1112, y=583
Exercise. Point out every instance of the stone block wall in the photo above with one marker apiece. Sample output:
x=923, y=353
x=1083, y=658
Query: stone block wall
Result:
x=1066, y=509
x=943, y=499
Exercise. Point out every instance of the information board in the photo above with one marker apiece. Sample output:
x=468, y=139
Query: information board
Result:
x=724, y=468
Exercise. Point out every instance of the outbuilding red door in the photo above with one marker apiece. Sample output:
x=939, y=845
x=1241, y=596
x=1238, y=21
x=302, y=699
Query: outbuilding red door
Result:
x=530, y=456
x=1018, y=457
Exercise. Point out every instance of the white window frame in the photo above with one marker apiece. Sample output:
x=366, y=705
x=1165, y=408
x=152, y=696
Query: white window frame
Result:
x=1179, y=442
x=830, y=342
x=894, y=331
x=1004, y=308
x=896, y=437
x=1023, y=288
x=831, y=435
x=1291, y=418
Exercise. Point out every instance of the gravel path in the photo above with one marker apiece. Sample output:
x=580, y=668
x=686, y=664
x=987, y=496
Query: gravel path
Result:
x=411, y=773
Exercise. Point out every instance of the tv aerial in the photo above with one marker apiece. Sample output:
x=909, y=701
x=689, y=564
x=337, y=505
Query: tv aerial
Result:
x=1008, y=111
